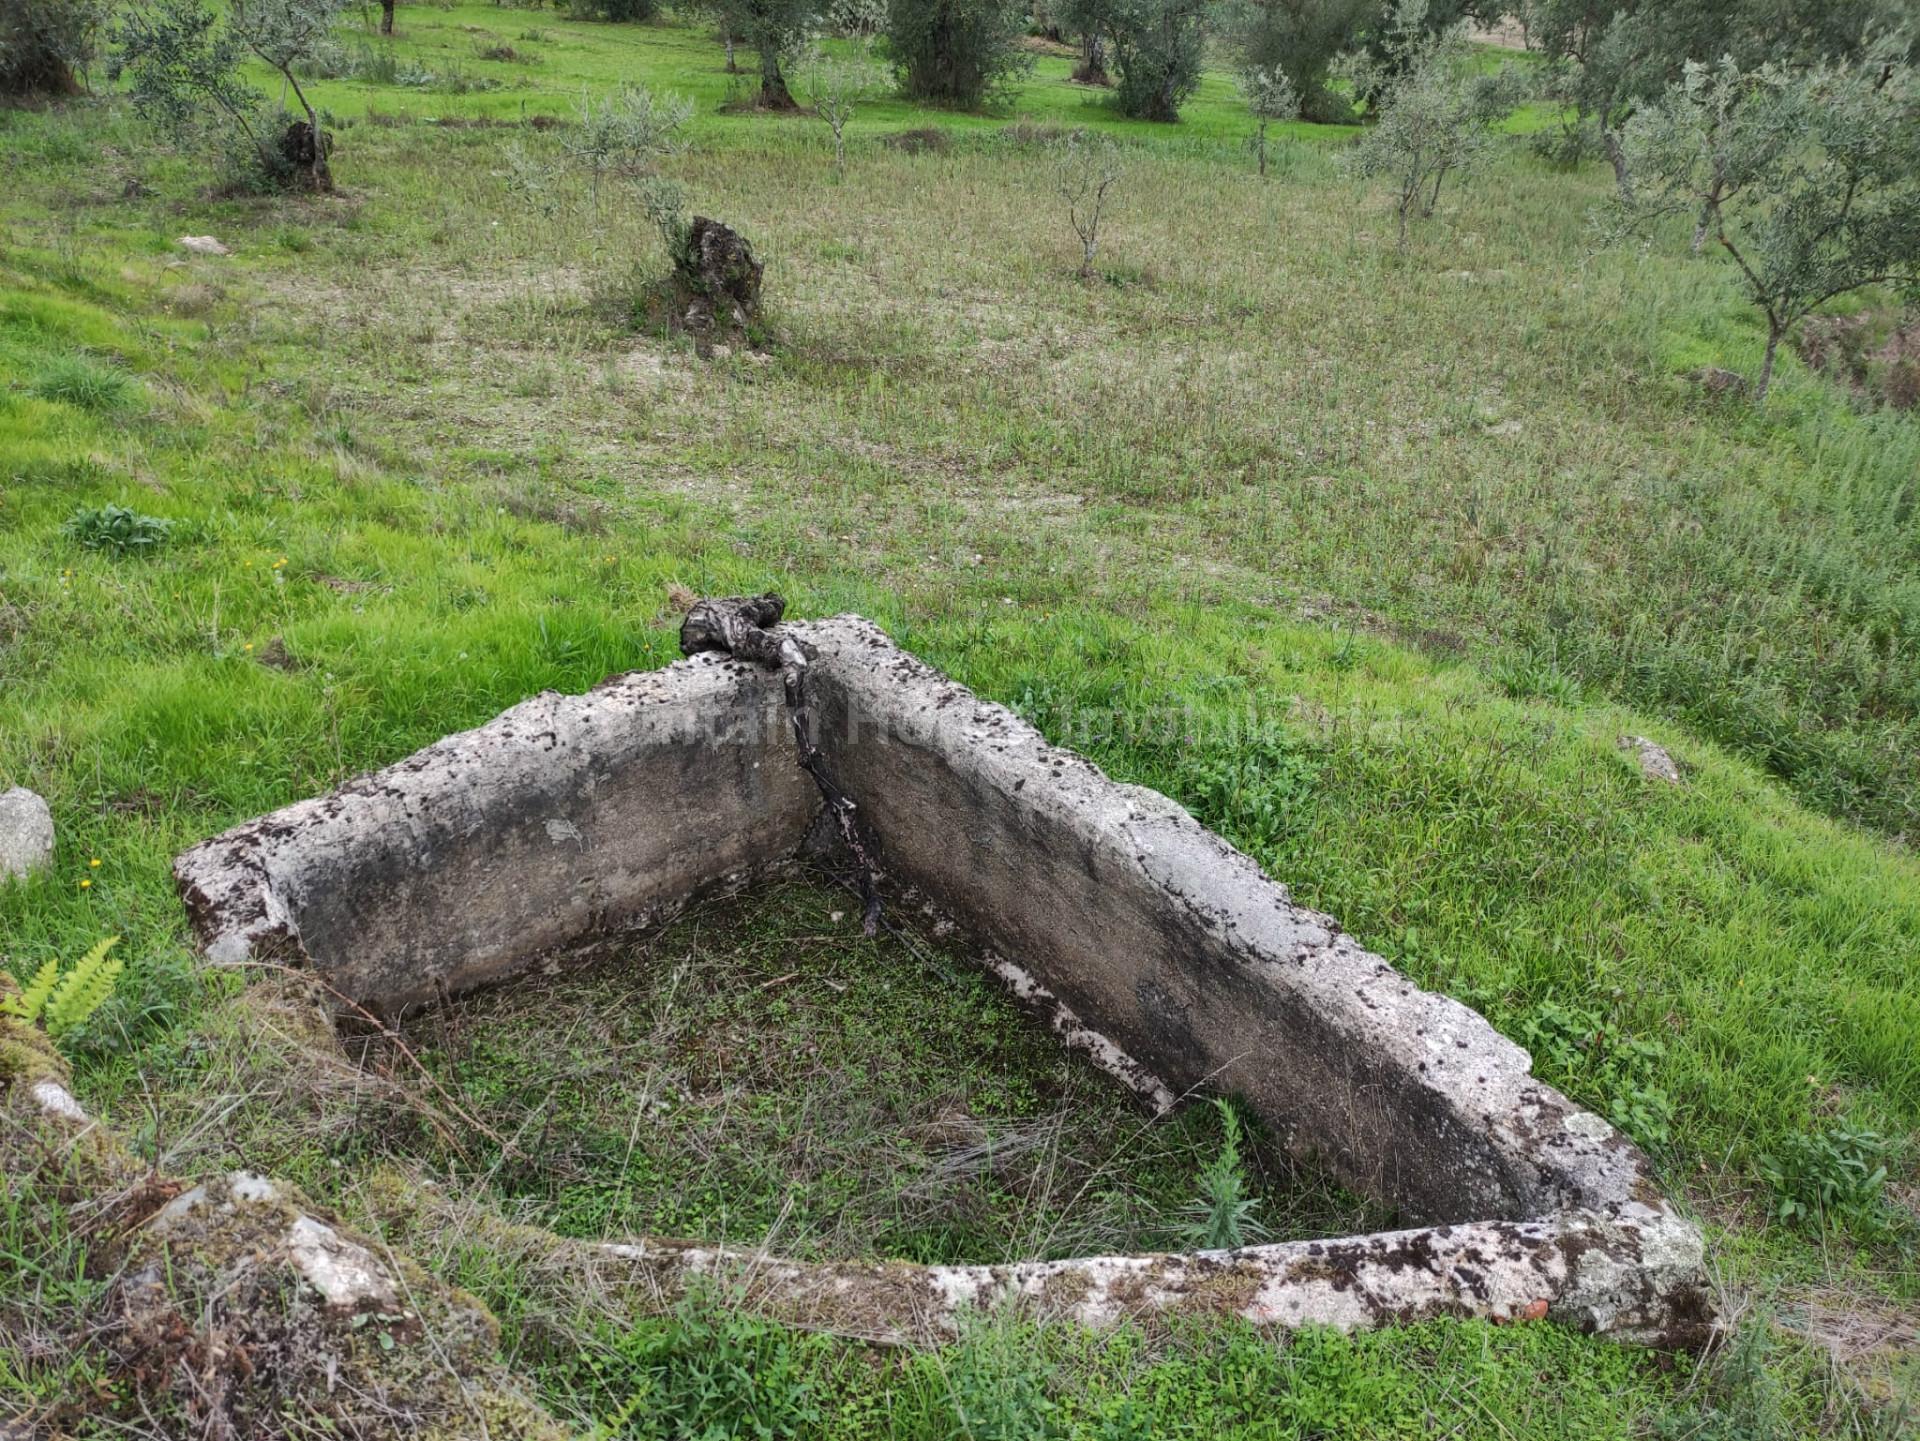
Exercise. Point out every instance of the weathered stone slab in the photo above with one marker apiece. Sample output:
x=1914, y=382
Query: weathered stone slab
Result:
x=1180, y=950
x=566, y=818
x=1157, y=947
x=26, y=834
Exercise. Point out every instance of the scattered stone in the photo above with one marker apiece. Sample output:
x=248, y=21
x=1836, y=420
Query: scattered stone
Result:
x=26, y=833
x=1715, y=381
x=1656, y=764
x=203, y=245
x=235, y=1305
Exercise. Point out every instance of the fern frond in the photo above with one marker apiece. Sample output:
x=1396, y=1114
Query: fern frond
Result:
x=29, y=1003
x=83, y=990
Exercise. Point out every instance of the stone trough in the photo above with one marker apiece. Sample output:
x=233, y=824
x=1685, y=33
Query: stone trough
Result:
x=1148, y=941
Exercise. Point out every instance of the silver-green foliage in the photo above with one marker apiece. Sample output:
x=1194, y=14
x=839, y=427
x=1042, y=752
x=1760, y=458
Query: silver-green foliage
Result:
x=61, y=1001
x=1808, y=181
x=1270, y=96
x=834, y=85
x=183, y=63
x=1159, y=47
x=626, y=135
x=45, y=44
x=1435, y=118
x=620, y=141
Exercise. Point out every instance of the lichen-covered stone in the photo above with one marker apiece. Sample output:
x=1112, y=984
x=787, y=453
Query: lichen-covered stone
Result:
x=236, y=1307
x=26, y=834
x=1154, y=945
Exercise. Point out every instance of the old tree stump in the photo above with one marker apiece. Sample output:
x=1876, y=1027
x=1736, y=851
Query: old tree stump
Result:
x=719, y=280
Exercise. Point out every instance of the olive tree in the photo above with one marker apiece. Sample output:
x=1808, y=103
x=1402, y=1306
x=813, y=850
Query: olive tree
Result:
x=775, y=31
x=1092, y=21
x=1270, y=96
x=833, y=86
x=1808, y=181
x=1086, y=169
x=46, y=45
x=1159, y=47
x=956, y=52
x=1303, y=38
x=1434, y=119
x=626, y=134
x=1607, y=58
x=183, y=60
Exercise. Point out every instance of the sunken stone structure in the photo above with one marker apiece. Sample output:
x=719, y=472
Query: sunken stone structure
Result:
x=1147, y=940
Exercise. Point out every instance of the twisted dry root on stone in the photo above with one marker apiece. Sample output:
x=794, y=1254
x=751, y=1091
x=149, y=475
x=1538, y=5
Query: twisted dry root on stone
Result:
x=744, y=626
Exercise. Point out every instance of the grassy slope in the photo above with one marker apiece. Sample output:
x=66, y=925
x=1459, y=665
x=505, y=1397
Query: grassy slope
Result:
x=1122, y=507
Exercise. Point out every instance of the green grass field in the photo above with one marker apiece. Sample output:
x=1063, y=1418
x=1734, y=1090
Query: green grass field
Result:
x=1370, y=558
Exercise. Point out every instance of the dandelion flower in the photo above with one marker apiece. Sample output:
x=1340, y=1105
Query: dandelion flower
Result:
x=87, y=884
x=94, y=864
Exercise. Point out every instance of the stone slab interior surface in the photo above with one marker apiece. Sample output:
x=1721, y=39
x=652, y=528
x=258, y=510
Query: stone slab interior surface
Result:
x=571, y=816
x=563, y=818
x=1182, y=951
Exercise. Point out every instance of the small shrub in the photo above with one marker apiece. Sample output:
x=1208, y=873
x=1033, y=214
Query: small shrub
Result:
x=60, y=1003
x=115, y=528
x=1086, y=169
x=1269, y=96
x=85, y=384
x=1832, y=1177
x=834, y=85
x=626, y=135
x=1220, y=1217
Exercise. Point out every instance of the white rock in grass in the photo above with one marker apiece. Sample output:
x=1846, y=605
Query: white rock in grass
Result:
x=26, y=833
x=203, y=245
x=1655, y=763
